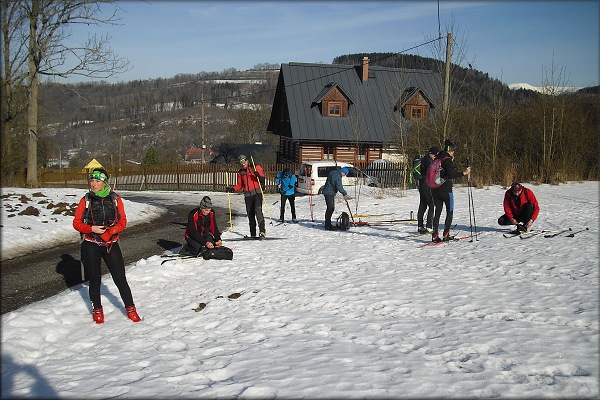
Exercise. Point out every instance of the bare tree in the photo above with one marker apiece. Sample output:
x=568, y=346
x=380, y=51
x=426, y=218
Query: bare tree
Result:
x=553, y=117
x=12, y=91
x=45, y=48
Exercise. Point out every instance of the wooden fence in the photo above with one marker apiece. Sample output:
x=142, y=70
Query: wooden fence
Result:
x=201, y=177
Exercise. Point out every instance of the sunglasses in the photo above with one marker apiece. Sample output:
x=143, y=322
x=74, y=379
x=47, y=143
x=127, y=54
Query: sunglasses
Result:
x=99, y=176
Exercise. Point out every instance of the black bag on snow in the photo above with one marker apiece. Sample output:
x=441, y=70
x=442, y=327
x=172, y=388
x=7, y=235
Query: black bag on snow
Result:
x=343, y=221
x=218, y=253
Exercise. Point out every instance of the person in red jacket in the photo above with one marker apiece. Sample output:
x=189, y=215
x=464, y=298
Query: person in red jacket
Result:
x=251, y=181
x=520, y=207
x=100, y=217
x=202, y=231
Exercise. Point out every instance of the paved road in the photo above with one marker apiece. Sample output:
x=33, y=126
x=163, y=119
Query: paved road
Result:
x=31, y=278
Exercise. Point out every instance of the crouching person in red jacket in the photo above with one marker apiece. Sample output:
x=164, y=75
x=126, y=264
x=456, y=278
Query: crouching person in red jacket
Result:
x=520, y=207
x=100, y=217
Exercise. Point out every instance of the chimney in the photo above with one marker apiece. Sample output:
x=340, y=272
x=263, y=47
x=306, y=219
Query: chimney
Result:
x=365, y=69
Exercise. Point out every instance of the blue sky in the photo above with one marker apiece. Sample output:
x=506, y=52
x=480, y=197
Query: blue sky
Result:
x=516, y=42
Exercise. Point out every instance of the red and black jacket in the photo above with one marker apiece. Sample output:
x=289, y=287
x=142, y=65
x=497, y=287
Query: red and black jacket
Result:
x=202, y=228
x=514, y=206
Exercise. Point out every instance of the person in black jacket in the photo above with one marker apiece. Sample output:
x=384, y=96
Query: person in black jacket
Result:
x=425, y=195
x=443, y=195
x=201, y=231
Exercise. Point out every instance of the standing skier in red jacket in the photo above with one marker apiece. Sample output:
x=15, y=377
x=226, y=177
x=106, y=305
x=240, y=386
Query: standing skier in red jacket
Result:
x=251, y=181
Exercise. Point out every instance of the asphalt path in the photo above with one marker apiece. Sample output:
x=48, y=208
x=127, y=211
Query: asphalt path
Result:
x=34, y=277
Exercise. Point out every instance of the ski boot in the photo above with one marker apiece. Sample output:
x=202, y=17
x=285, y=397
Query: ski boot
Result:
x=132, y=314
x=98, y=314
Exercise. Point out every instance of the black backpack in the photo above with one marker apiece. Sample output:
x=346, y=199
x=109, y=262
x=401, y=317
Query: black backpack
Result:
x=415, y=173
x=343, y=221
x=218, y=253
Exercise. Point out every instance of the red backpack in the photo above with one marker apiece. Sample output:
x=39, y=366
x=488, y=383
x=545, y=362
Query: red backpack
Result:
x=433, y=177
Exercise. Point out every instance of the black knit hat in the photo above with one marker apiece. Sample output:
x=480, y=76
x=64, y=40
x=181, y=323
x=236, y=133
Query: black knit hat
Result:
x=434, y=150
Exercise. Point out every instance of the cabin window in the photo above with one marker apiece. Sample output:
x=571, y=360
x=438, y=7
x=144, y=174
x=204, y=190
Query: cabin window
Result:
x=417, y=112
x=334, y=109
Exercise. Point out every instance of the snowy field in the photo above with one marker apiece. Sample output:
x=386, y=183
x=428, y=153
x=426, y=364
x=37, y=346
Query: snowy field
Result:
x=367, y=313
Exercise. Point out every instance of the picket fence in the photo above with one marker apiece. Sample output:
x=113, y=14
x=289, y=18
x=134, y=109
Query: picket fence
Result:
x=201, y=177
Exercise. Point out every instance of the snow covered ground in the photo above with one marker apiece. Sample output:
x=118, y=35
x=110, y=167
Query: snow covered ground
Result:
x=366, y=313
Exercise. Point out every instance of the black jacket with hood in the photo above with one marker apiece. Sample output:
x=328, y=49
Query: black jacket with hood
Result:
x=448, y=172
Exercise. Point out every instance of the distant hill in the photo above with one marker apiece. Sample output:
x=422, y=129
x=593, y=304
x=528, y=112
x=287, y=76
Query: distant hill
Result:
x=100, y=119
x=541, y=89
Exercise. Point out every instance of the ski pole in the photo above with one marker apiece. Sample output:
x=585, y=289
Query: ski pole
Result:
x=311, y=205
x=350, y=211
x=469, y=201
x=472, y=205
x=228, y=198
x=261, y=190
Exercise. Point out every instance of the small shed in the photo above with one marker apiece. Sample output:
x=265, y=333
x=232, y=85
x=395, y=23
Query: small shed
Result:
x=91, y=165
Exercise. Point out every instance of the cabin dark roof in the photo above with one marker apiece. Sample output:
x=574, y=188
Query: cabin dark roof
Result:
x=373, y=104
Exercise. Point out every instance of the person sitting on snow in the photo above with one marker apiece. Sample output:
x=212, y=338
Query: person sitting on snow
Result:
x=201, y=231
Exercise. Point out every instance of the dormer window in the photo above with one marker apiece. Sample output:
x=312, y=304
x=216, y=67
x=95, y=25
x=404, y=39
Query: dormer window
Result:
x=417, y=112
x=414, y=104
x=335, y=109
x=333, y=101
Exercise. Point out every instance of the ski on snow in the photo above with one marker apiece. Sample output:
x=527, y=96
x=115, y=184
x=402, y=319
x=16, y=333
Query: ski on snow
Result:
x=554, y=234
x=253, y=238
x=515, y=233
x=454, y=239
x=175, y=257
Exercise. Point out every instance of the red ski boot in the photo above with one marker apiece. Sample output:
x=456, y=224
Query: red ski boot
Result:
x=132, y=314
x=98, y=314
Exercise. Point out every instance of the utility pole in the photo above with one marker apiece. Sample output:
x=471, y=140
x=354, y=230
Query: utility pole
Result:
x=446, y=100
x=203, y=144
x=120, y=150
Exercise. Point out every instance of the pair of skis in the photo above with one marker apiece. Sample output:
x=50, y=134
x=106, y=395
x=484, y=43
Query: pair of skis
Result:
x=572, y=234
x=547, y=234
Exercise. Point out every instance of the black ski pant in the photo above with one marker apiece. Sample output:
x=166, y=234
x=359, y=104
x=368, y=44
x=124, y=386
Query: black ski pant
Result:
x=441, y=199
x=292, y=200
x=92, y=255
x=425, y=203
x=524, y=217
x=255, y=213
x=330, y=204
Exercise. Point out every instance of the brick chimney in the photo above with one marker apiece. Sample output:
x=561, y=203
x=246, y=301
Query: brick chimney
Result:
x=365, y=69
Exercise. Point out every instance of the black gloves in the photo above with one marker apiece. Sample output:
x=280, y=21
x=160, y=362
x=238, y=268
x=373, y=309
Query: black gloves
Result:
x=229, y=189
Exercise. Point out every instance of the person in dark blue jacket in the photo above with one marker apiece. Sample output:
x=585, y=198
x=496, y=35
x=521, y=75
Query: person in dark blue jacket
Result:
x=333, y=184
x=443, y=195
x=286, y=184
